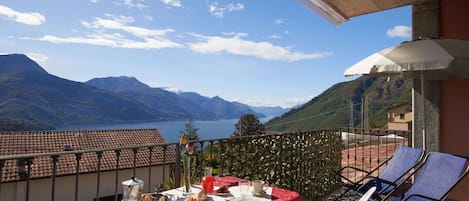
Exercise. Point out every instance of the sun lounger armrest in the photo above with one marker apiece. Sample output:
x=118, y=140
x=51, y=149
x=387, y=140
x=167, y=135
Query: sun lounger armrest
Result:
x=339, y=173
x=389, y=183
x=418, y=195
x=386, y=181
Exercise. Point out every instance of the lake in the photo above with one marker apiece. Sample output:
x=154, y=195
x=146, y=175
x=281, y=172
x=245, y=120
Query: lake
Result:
x=171, y=130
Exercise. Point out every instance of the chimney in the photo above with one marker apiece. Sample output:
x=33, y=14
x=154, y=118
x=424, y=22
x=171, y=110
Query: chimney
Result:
x=68, y=147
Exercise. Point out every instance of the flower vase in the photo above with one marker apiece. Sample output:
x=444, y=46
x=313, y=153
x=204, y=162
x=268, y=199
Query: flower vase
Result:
x=186, y=163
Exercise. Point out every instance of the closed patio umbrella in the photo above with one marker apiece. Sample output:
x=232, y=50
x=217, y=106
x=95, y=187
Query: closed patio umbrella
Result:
x=435, y=59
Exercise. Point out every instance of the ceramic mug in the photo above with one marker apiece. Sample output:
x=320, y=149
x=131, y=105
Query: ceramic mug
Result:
x=258, y=186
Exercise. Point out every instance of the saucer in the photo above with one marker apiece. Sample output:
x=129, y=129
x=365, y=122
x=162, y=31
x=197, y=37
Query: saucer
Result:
x=223, y=194
x=259, y=194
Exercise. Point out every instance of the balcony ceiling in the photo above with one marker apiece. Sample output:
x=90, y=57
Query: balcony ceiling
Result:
x=338, y=11
x=352, y=8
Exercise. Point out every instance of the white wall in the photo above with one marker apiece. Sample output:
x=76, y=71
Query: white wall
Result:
x=40, y=189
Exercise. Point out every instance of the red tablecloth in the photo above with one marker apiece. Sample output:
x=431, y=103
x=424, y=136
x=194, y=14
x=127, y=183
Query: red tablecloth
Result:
x=278, y=194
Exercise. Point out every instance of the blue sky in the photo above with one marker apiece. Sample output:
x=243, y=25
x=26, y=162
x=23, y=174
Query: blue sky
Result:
x=255, y=52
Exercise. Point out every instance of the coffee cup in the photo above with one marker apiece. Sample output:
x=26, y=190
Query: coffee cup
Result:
x=258, y=186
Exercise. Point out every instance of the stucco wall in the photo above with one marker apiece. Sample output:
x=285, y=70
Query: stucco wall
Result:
x=455, y=126
x=397, y=111
x=455, y=92
x=398, y=126
x=40, y=190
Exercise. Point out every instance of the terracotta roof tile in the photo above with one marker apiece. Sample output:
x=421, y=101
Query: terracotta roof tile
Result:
x=360, y=157
x=29, y=142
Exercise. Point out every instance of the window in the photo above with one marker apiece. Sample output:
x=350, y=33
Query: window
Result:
x=401, y=116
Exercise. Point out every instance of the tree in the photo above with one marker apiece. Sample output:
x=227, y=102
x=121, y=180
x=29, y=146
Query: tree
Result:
x=191, y=130
x=248, y=124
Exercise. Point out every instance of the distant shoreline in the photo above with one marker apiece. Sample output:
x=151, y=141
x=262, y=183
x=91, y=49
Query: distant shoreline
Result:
x=170, y=130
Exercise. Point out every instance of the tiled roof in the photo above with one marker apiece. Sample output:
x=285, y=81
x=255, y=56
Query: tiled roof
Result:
x=367, y=158
x=30, y=142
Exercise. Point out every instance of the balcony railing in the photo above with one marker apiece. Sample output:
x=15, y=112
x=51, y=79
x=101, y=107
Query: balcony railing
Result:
x=301, y=161
x=367, y=148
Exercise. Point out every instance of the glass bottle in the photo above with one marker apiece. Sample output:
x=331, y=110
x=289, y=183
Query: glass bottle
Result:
x=208, y=180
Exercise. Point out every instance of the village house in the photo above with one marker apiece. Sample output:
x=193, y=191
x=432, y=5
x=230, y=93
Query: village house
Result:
x=400, y=117
x=41, y=187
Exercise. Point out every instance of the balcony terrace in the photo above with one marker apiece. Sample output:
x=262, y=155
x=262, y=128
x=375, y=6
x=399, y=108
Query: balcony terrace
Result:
x=304, y=162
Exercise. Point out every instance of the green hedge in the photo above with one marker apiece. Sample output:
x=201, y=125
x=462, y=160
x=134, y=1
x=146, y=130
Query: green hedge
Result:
x=305, y=162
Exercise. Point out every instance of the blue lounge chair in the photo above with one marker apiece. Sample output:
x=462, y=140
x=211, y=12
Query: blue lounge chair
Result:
x=403, y=160
x=439, y=174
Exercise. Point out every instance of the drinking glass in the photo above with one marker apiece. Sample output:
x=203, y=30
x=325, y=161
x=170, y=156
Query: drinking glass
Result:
x=244, y=187
x=208, y=180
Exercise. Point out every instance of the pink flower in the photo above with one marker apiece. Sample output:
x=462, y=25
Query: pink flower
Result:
x=189, y=148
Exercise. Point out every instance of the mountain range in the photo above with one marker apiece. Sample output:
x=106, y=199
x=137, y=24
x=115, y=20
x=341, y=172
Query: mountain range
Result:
x=183, y=105
x=33, y=99
x=341, y=105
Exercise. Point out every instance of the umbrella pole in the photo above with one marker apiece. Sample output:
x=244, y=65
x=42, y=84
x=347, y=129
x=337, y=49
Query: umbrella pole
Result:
x=424, y=120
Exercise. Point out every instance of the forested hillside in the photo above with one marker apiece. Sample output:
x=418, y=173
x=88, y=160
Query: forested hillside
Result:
x=333, y=108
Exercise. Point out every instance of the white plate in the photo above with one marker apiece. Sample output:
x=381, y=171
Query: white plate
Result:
x=237, y=194
x=240, y=199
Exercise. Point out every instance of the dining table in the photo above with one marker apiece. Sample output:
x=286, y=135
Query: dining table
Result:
x=270, y=192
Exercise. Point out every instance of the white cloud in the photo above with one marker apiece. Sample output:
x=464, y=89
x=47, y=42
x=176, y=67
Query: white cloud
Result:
x=219, y=12
x=286, y=103
x=172, y=89
x=238, y=46
x=131, y=3
x=167, y=87
x=285, y=32
x=111, y=32
x=37, y=57
x=400, y=31
x=135, y=4
x=274, y=36
x=94, y=1
x=120, y=23
x=234, y=7
x=235, y=34
x=297, y=101
x=31, y=18
x=278, y=21
x=258, y=103
x=174, y=3
x=148, y=17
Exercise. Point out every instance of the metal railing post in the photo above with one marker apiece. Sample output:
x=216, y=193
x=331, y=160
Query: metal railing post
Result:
x=164, y=164
x=116, y=187
x=29, y=162
x=77, y=174
x=150, y=150
x=135, y=150
x=177, y=171
x=201, y=166
x=211, y=152
x=55, y=159
x=99, y=154
x=222, y=158
x=2, y=164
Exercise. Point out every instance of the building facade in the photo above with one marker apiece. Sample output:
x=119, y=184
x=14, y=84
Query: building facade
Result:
x=400, y=117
